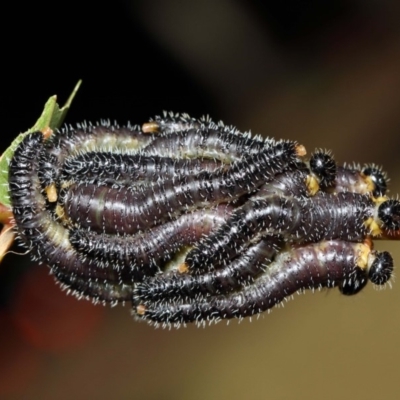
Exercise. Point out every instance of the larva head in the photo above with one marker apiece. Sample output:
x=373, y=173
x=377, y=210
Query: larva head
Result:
x=323, y=166
x=389, y=214
x=378, y=178
x=381, y=268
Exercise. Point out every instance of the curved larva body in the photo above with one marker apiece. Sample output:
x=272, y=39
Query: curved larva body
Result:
x=241, y=271
x=180, y=138
x=323, y=216
x=48, y=239
x=114, y=168
x=324, y=264
x=117, y=210
x=252, y=261
x=70, y=142
x=148, y=251
x=208, y=143
x=185, y=137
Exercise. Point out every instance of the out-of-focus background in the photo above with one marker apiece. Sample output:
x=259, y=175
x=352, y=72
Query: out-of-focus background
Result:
x=326, y=73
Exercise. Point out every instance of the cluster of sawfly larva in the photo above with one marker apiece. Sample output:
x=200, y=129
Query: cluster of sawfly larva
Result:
x=194, y=221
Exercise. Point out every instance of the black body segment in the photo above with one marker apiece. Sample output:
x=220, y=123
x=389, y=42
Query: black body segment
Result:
x=324, y=264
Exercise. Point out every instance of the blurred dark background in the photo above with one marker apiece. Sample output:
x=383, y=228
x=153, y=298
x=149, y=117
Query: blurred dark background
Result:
x=326, y=73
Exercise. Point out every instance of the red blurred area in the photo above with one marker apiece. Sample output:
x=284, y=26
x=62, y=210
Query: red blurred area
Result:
x=19, y=362
x=42, y=320
x=48, y=318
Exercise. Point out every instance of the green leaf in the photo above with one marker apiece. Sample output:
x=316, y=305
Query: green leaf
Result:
x=52, y=117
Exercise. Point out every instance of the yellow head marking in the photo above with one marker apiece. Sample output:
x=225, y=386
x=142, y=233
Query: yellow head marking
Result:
x=183, y=268
x=300, y=150
x=51, y=193
x=363, y=252
x=140, y=309
x=312, y=185
x=150, y=127
x=373, y=227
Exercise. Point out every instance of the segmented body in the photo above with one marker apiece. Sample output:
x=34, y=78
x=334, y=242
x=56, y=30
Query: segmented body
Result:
x=184, y=216
x=324, y=264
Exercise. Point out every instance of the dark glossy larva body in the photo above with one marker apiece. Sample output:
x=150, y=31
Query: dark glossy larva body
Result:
x=46, y=238
x=209, y=143
x=25, y=193
x=325, y=264
x=114, y=168
x=146, y=252
x=101, y=137
x=342, y=216
x=115, y=212
x=185, y=137
x=241, y=271
x=247, y=266
x=128, y=210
